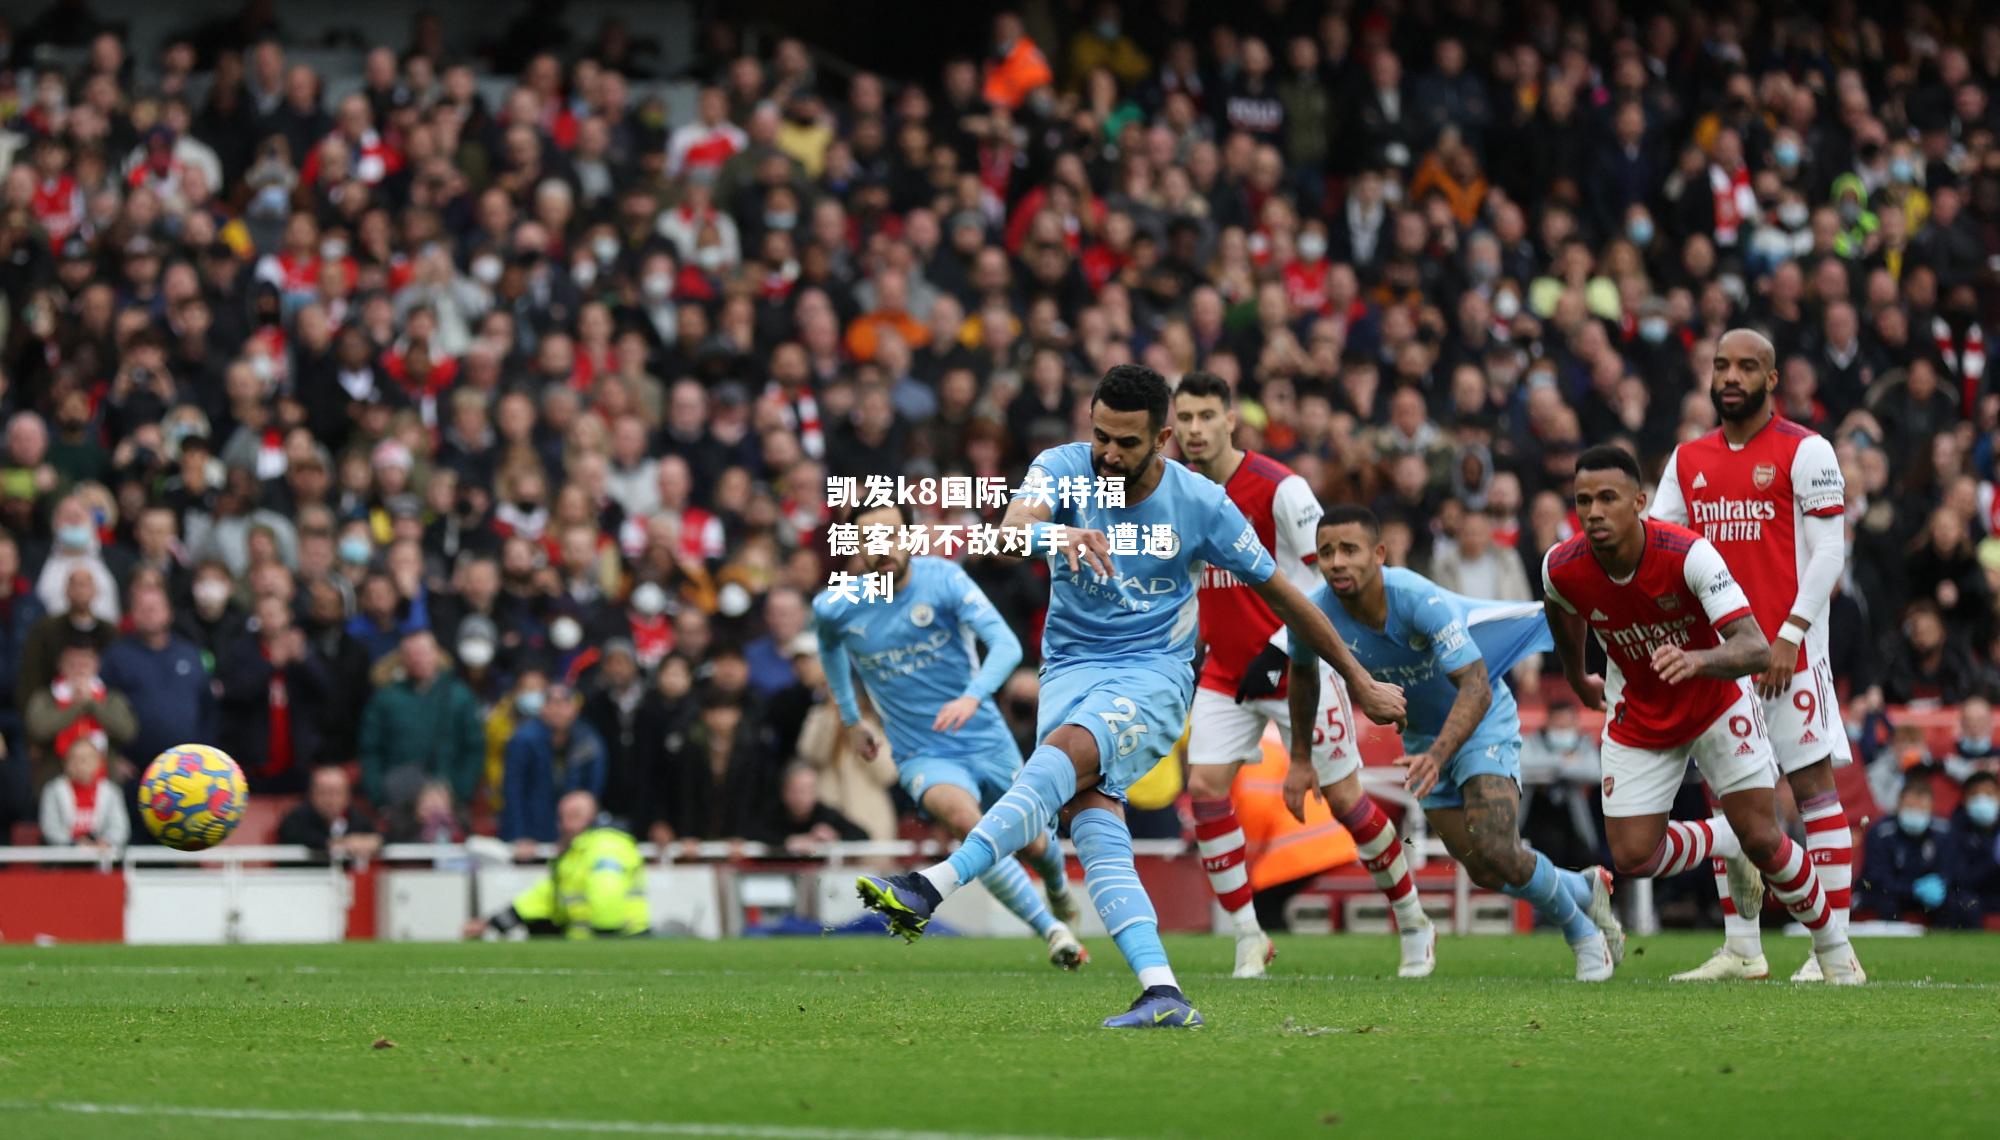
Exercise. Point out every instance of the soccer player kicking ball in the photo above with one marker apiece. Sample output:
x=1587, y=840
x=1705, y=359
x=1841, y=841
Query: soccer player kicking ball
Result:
x=1657, y=595
x=1117, y=672
x=1242, y=688
x=954, y=754
x=1768, y=493
x=1451, y=655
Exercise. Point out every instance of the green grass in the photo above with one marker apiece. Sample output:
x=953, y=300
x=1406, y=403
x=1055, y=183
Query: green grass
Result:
x=980, y=1037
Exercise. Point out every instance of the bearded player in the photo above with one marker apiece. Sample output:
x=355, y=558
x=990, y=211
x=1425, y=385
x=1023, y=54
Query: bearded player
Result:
x=1243, y=687
x=1768, y=493
x=1679, y=640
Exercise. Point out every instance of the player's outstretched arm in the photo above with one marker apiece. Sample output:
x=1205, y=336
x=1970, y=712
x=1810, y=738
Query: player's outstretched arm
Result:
x=1744, y=650
x=1309, y=627
x=1302, y=697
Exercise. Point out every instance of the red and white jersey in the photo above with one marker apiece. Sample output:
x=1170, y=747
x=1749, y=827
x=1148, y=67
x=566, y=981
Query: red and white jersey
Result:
x=1681, y=594
x=1751, y=502
x=1235, y=623
x=695, y=146
x=58, y=205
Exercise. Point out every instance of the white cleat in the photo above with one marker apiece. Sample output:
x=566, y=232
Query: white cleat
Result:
x=1253, y=952
x=1419, y=950
x=1840, y=967
x=1724, y=966
x=1593, y=959
x=1810, y=971
x=1746, y=887
x=1065, y=952
x=1604, y=915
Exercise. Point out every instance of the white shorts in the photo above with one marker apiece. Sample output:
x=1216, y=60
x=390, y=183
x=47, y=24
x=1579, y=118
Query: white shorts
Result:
x=1224, y=732
x=1806, y=722
x=1733, y=754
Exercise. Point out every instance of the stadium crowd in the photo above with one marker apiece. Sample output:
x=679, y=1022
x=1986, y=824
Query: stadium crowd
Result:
x=478, y=449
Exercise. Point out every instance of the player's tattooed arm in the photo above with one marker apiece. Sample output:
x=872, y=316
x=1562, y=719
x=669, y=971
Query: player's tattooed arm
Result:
x=1475, y=696
x=1744, y=650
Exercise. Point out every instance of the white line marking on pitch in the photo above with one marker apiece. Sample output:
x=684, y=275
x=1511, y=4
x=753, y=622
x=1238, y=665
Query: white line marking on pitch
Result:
x=447, y=1120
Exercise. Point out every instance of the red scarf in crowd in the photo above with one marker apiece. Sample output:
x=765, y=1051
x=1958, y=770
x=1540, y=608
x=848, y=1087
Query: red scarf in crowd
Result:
x=84, y=824
x=83, y=727
x=1965, y=358
x=652, y=638
x=1735, y=202
x=278, y=754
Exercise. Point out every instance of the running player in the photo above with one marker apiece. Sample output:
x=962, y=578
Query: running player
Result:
x=1679, y=638
x=1768, y=493
x=1463, y=742
x=1118, y=673
x=1242, y=688
x=954, y=754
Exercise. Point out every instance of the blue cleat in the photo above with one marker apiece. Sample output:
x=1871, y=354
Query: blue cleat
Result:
x=907, y=901
x=1161, y=1007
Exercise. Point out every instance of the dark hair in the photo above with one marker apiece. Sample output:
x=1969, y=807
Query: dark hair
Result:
x=1920, y=784
x=1200, y=384
x=1134, y=388
x=1607, y=457
x=1981, y=779
x=1342, y=514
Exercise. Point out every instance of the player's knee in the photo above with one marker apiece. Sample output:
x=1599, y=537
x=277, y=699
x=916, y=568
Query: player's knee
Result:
x=1498, y=858
x=1482, y=873
x=1342, y=796
x=1761, y=841
x=1629, y=858
x=1211, y=781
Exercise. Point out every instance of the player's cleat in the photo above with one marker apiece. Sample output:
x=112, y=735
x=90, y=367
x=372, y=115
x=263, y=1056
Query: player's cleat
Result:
x=1065, y=952
x=1725, y=966
x=1604, y=914
x=1419, y=951
x=1746, y=887
x=1839, y=966
x=1809, y=971
x=1593, y=959
x=1253, y=952
x=1062, y=904
x=907, y=901
x=1160, y=1007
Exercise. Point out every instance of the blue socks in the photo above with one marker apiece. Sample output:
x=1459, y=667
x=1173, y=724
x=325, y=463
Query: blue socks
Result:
x=1578, y=885
x=1049, y=864
x=1009, y=884
x=1045, y=784
x=1104, y=845
x=1551, y=896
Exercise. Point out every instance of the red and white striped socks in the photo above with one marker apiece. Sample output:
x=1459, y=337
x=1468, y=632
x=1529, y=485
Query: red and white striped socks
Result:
x=1791, y=877
x=1220, y=839
x=1381, y=851
x=1687, y=843
x=1830, y=846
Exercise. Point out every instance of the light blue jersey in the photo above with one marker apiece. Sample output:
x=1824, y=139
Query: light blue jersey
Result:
x=1429, y=634
x=1118, y=655
x=915, y=653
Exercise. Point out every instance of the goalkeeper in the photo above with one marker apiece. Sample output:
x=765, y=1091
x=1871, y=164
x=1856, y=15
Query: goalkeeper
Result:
x=595, y=888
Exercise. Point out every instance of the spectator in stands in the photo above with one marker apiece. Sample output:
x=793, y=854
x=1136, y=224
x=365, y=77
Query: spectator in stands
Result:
x=1973, y=840
x=20, y=612
x=550, y=756
x=1903, y=872
x=77, y=705
x=770, y=663
x=802, y=823
x=431, y=818
x=84, y=807
x=1975, y=750
x=273, y=693
x=330, y=822
x=76, y=548
x=163, y=676
x=1924, y=665
x=77, y=619
x=627, y=715
x=723, y=774
x=422, y=723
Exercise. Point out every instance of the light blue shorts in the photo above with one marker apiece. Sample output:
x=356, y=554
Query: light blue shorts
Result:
x=1501, y=759
x=985, y=777
x=1135, y=714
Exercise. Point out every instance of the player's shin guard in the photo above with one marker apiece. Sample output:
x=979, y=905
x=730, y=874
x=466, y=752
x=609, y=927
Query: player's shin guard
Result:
x=1220, y=839
x=1687, y=844
x=1830, y=846
x=1043, y=786
x=1104, y=846
x=1381, y=851
x=1741, y=934
x=1551, y=898
x=1009, y=884
x=1791, y=877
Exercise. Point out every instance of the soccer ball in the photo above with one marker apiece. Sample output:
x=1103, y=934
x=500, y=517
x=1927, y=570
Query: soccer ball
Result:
x=192, y=796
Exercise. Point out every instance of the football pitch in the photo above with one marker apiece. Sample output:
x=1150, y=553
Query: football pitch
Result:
x=846, y=1038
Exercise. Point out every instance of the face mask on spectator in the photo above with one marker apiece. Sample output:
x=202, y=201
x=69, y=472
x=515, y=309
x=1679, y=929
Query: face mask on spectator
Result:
x=733, y=600
x=604, y=248
x=1786, y=153
x=1793, y=215
x=354, y=550
x=486, y=270
x=529, y=704
x=211, y=593
x=1640, y=230
x=711, y=257
x=584, y=273
x=1563, y=739
x=1653, y=330
x=1913, y=821
x=476, y=653
x=780, y=219
x=658, y=287
x=565, y=634
x=1974, y=749
x=649, y=599
x=1312, y=247
x=1983, y=810
x=73, y=535
x=333, y=249
x=1506, y=305
x=1850, y=211
x=1903, y=170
